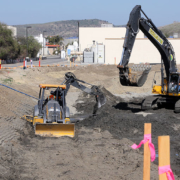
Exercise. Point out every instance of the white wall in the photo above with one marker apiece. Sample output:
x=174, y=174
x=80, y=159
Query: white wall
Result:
x=13, y=29
x=40, y=40
x=143, y=51
x=99, y=34
x=113, y=39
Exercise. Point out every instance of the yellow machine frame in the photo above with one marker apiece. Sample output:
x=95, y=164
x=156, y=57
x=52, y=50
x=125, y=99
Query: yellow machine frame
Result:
x=51, y=129
x=157, y=89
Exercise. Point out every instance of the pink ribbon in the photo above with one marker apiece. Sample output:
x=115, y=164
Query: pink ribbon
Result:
x=167, y=170
x=147, y=138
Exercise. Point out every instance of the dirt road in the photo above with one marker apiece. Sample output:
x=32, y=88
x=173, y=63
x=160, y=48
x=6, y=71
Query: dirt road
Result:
x=101, y=147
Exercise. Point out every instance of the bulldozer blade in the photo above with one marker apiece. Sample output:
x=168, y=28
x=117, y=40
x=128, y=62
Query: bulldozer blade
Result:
x=55, y=130
x=101, y=100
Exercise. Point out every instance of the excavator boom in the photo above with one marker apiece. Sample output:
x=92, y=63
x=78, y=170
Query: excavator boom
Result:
x=168, y=91
x=70, y=79
x=136, y=23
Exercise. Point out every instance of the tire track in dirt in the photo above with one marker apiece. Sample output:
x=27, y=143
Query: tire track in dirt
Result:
x=13, y=106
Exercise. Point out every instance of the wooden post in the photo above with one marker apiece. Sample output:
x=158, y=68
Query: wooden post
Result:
x=164, y=153
x=70, y=63
x=114, y=61
x=147, y=154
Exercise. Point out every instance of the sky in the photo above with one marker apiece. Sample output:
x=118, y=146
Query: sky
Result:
x=18, y=12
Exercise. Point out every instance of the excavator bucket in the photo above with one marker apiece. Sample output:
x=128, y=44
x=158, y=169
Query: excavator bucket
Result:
x=137, y=76
x=142, y=79
x=55, y=130
x=101, y=100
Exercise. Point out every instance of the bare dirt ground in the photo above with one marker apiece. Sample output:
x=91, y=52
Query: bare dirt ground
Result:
x=101, y=146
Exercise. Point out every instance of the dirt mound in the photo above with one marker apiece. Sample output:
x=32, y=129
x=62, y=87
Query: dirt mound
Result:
x=86, y=103
x=126, y=120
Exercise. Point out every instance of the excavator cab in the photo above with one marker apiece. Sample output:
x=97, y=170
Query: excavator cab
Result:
x=174, y=83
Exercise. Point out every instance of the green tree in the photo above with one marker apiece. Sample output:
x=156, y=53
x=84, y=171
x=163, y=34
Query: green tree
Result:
x=55, y=39
x=9, y=47
x=33, y=46
x=167, y=35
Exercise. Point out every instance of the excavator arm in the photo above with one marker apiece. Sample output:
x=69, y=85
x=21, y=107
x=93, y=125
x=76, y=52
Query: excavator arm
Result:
x=136, y=23
x=70, y=79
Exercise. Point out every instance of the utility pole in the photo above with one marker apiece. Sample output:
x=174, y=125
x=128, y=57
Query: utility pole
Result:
x=78, y=36
x=27, y=53
x=43, y=42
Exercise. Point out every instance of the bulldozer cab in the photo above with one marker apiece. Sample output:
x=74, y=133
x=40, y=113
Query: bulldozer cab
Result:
x=52, y=119
x=174, y=83
x=53, y=95
x=44, y=87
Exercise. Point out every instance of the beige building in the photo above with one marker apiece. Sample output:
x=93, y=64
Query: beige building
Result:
x=113, y=38
x=143, y=51
x=99, y=34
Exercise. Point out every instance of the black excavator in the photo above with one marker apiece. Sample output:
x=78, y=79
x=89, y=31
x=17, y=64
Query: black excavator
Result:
x=168, y=90
x=51, y=115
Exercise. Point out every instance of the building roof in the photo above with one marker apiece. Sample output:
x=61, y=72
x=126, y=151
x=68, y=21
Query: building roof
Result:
x=54, y=45
x=72, y=37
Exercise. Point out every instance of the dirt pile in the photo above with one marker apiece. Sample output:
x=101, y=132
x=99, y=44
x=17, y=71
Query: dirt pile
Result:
x=86, y=103
x=126, y=120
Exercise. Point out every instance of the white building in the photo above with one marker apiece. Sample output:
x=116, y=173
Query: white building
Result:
x=99, y=34
x=43, y=43
x=107, y=25
x=113, y=38
x=143, y=51
x=13, y=29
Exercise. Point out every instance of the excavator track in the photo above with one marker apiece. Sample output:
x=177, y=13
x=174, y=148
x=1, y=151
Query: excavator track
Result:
x=149, y=102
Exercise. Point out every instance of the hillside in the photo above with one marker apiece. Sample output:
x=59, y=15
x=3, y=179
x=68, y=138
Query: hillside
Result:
x=168, y=30
x=63, y=28
x=69, y=28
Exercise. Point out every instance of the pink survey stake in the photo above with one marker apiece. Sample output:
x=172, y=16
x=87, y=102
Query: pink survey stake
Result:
x=167, y=170
x=147, y=138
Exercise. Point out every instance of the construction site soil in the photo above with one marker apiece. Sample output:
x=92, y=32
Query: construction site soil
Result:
x=101, y=146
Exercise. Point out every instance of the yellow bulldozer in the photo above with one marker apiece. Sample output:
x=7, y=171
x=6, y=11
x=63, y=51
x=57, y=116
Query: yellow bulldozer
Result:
x=51, y=116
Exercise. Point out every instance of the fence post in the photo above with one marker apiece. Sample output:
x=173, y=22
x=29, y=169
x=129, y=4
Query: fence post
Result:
x=163, y=153
x=39, y=61
x=31, y=63
x=147, y=154
x=24, y=64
